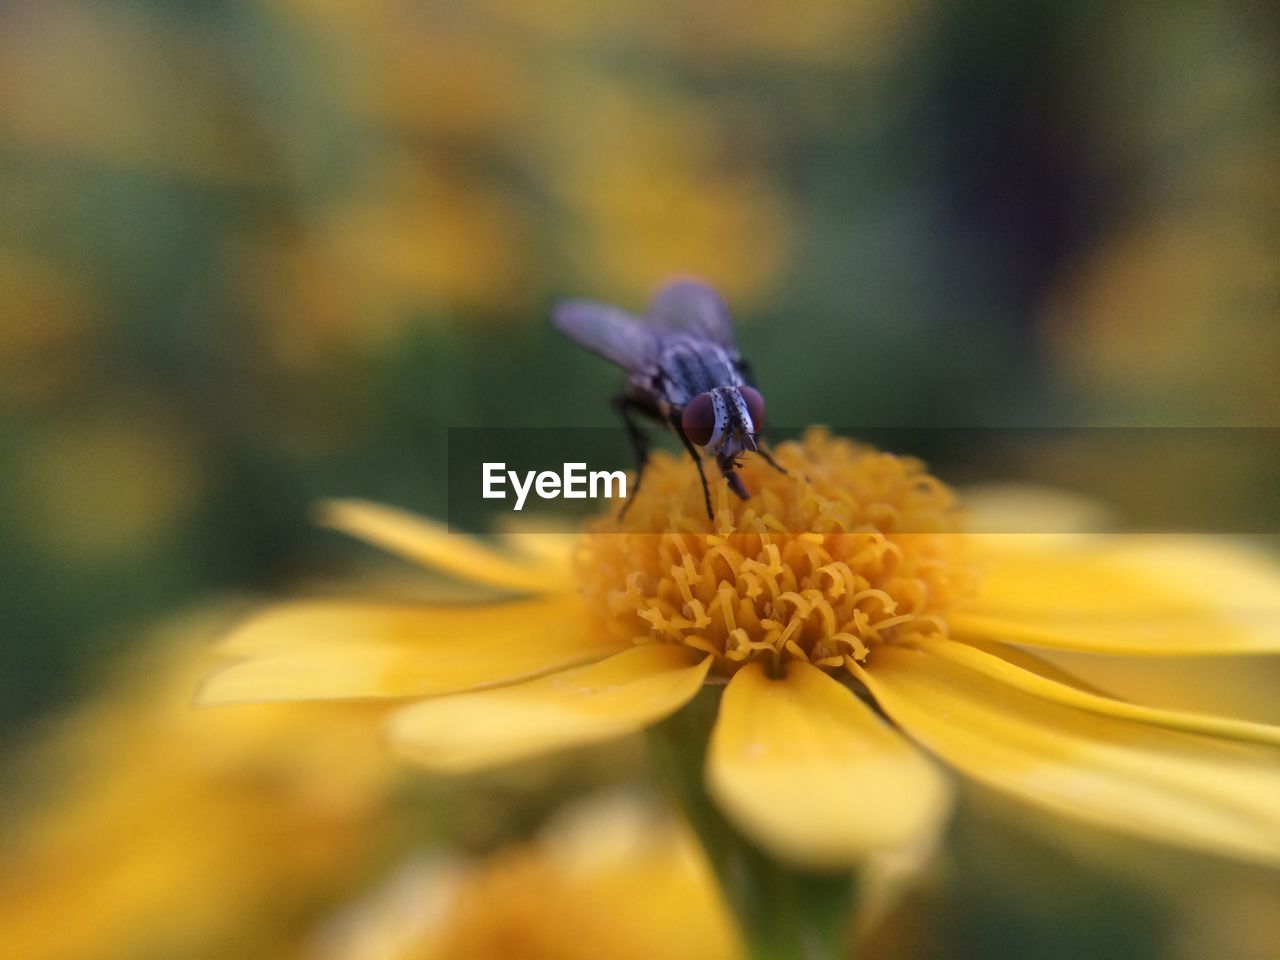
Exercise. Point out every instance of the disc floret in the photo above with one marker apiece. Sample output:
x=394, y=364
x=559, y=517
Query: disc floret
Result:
x=851, y=549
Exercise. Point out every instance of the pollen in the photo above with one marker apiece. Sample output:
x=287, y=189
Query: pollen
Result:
x=847, y=550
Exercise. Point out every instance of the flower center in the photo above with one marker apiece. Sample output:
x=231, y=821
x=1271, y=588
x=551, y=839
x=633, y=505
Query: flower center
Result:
x=849, y=549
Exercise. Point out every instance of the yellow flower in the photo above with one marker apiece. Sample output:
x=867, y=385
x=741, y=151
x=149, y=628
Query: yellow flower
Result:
x=847, y=615
x=159, y=830
x=609, y=877
x=122, y=88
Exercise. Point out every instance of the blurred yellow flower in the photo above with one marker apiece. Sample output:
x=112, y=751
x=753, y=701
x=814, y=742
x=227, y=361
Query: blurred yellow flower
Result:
x=502, y=131
x=608, y=878
x=43, y=328
x=432, y=234
x=852, y=574
x=122, y=88
x=111, y=483
x=653, y=188
x=1168, y=313
x=159, y=830
x=1157, y=314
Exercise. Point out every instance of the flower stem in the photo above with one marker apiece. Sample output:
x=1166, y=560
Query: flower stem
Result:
x=783, y=912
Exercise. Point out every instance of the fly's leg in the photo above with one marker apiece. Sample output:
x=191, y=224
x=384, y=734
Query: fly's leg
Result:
x=627, y=408
x=674, y=420
x=768, y=458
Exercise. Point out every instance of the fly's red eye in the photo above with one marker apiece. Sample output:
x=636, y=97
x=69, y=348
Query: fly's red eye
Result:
x=698, y=419
x=755, y=405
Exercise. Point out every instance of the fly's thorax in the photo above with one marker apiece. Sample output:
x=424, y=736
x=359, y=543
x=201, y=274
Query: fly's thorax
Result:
x=690, y=367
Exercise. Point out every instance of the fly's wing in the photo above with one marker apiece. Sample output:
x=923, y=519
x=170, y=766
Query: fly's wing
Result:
x=607, y=331
x=687, y=306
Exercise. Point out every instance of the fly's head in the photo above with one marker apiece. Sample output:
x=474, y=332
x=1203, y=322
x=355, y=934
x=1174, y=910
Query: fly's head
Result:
x=725, y=421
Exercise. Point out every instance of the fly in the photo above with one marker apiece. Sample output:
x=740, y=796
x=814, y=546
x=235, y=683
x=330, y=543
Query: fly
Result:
x=683, y=370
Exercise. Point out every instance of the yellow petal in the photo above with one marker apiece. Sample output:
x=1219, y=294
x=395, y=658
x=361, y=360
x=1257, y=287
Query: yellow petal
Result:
x=1242, y=687
x=813, y=775
x=540, y=540
x=327, y=650
x=1168, y=786
x=1070, y=695
x=619, y=695
x=431, y=544
x=1153, y=595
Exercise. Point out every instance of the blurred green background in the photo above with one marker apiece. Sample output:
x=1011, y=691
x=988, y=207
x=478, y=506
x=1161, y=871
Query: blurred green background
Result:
x=255, y=253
